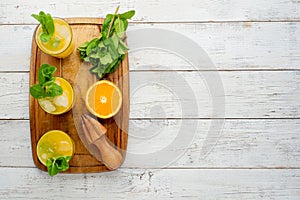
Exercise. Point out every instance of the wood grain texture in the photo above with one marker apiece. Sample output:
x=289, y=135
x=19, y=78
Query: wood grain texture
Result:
x=241, y=144
x=241, y=46
x=69, y=69
x=255, y=94
x=156, y=10
x=152, y=184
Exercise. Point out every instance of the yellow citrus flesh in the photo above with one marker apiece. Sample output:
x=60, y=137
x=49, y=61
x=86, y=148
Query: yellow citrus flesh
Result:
x=103, y=99
x=61, y=43
x=53, y=144
x=67, y=97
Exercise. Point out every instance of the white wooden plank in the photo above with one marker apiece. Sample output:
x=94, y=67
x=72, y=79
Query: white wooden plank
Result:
x=14, y=98
x=156, y=10
x=247, y=94
x=15, y=143
x=20, y=183
x=15, y=55
x=241, y=144
x=241, y=46
x=230, y=46
x=165, y=95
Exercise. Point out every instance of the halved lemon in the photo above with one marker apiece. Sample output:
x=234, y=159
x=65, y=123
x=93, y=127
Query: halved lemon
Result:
x=103, y=99
x=53, y=144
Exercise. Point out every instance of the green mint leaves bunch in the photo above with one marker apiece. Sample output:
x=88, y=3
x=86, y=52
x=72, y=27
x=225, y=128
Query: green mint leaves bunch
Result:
x=55, y=165
x=47, y=25
x=106, y=52
x=46, y=86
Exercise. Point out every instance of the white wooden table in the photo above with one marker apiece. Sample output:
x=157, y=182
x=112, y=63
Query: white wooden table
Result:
x=255, y=46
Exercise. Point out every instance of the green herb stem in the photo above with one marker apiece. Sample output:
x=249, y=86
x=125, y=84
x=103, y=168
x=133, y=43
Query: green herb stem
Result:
x=112, y=21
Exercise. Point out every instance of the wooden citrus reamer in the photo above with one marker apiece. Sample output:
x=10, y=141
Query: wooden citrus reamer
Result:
x=95, y=135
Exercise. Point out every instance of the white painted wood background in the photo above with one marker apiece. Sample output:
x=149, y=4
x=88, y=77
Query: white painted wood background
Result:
x=255, y=46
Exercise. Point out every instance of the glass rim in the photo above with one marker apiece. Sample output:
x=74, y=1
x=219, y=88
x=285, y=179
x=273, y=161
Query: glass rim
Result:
x=63, y=49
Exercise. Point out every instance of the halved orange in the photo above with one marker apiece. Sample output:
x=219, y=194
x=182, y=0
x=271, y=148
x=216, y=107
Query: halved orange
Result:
x=103, y=99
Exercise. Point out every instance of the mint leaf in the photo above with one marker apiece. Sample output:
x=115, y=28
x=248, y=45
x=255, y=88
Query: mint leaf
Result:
x=45, y=73
x=119, y=27
x=37, y=91
x=51, y=167
x=46, y=86
x=106, y=59
x=83, y=46
x=62, y=163
x=47, y=25
x=106, y=24
x=92, y=44
x=125, y=22
x=50, y=82
x=56, y=165
x=127, y=15
x=106, y=52
x=115, y=40
x=68, y=158
x=53, y=90
x=45, y=37
x=122, y=48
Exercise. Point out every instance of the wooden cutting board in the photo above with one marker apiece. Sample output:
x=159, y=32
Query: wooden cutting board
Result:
x=73, y=70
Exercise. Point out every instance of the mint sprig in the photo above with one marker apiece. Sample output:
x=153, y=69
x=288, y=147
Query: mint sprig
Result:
x=46, y=86
x=47, y=25
x=56, y=165
x=106, y=52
